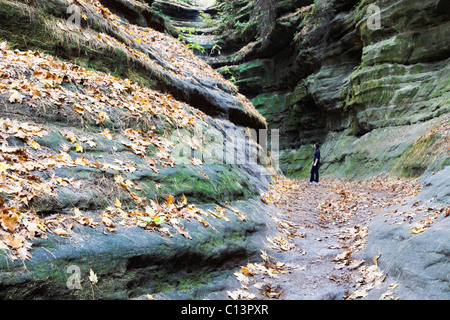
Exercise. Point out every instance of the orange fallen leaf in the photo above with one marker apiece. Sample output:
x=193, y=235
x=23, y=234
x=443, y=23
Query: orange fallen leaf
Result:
x=107, y=222
x=13, y=241
x=107, y=134
x=9, y=223
x=169, y=200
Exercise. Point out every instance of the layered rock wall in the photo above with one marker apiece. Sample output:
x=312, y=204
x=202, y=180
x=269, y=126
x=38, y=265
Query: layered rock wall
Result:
x=368, y=93
x=96, y=98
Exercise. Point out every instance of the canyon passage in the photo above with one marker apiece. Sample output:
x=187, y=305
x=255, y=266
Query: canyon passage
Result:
x=162, y=150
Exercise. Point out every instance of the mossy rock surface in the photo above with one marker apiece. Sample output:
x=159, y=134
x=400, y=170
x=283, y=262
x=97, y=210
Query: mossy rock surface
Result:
x=339, y=80
x=131, y=262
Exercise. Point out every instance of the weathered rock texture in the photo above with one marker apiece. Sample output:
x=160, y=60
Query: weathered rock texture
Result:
x=418, y=263
x=131, y=262
x=45, y=26
x=377, y=99
x=120, y=71
x=367, y=95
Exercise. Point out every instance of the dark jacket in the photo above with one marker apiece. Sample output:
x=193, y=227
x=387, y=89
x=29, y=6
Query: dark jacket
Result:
x=317, y=156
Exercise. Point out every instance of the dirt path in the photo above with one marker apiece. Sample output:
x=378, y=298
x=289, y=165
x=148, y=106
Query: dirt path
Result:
x=322, y=225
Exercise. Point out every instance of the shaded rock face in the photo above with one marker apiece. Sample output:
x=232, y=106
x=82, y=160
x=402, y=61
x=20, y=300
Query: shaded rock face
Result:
x=329, y=74
x=141, y=16
x=304, y=82
x=44, y=27
x=109, y=99
x=132, y=263
x=377, y=99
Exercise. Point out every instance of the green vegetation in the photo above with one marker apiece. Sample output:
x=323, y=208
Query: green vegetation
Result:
x=196, y=48
x=216, y=49
x=418, y=157
x=208, y=20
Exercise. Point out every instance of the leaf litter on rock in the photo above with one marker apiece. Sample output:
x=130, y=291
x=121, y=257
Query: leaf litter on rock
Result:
x=336, y=202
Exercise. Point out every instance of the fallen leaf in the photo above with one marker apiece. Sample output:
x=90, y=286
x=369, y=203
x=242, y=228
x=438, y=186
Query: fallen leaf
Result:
x=34, y=144
x=169, y=200
x=9, y=222
x=183, y=232
x=107, y=134
x=23, y=253
x=375, y=259
x=107, y=222
x=103, y=116
x=93, y=277
x=241, y=295
x=60, y=232
x=70, y=136
x=13, y=241
x=343, y=255
x=79, y=148
x=243, y=279
x=16, y=97
x=361, y=293
x=10, y=189
x=4, y=166
x=417, y=231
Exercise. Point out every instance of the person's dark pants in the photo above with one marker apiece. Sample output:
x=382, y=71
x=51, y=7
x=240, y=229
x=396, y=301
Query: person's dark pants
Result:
x=314, y=174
